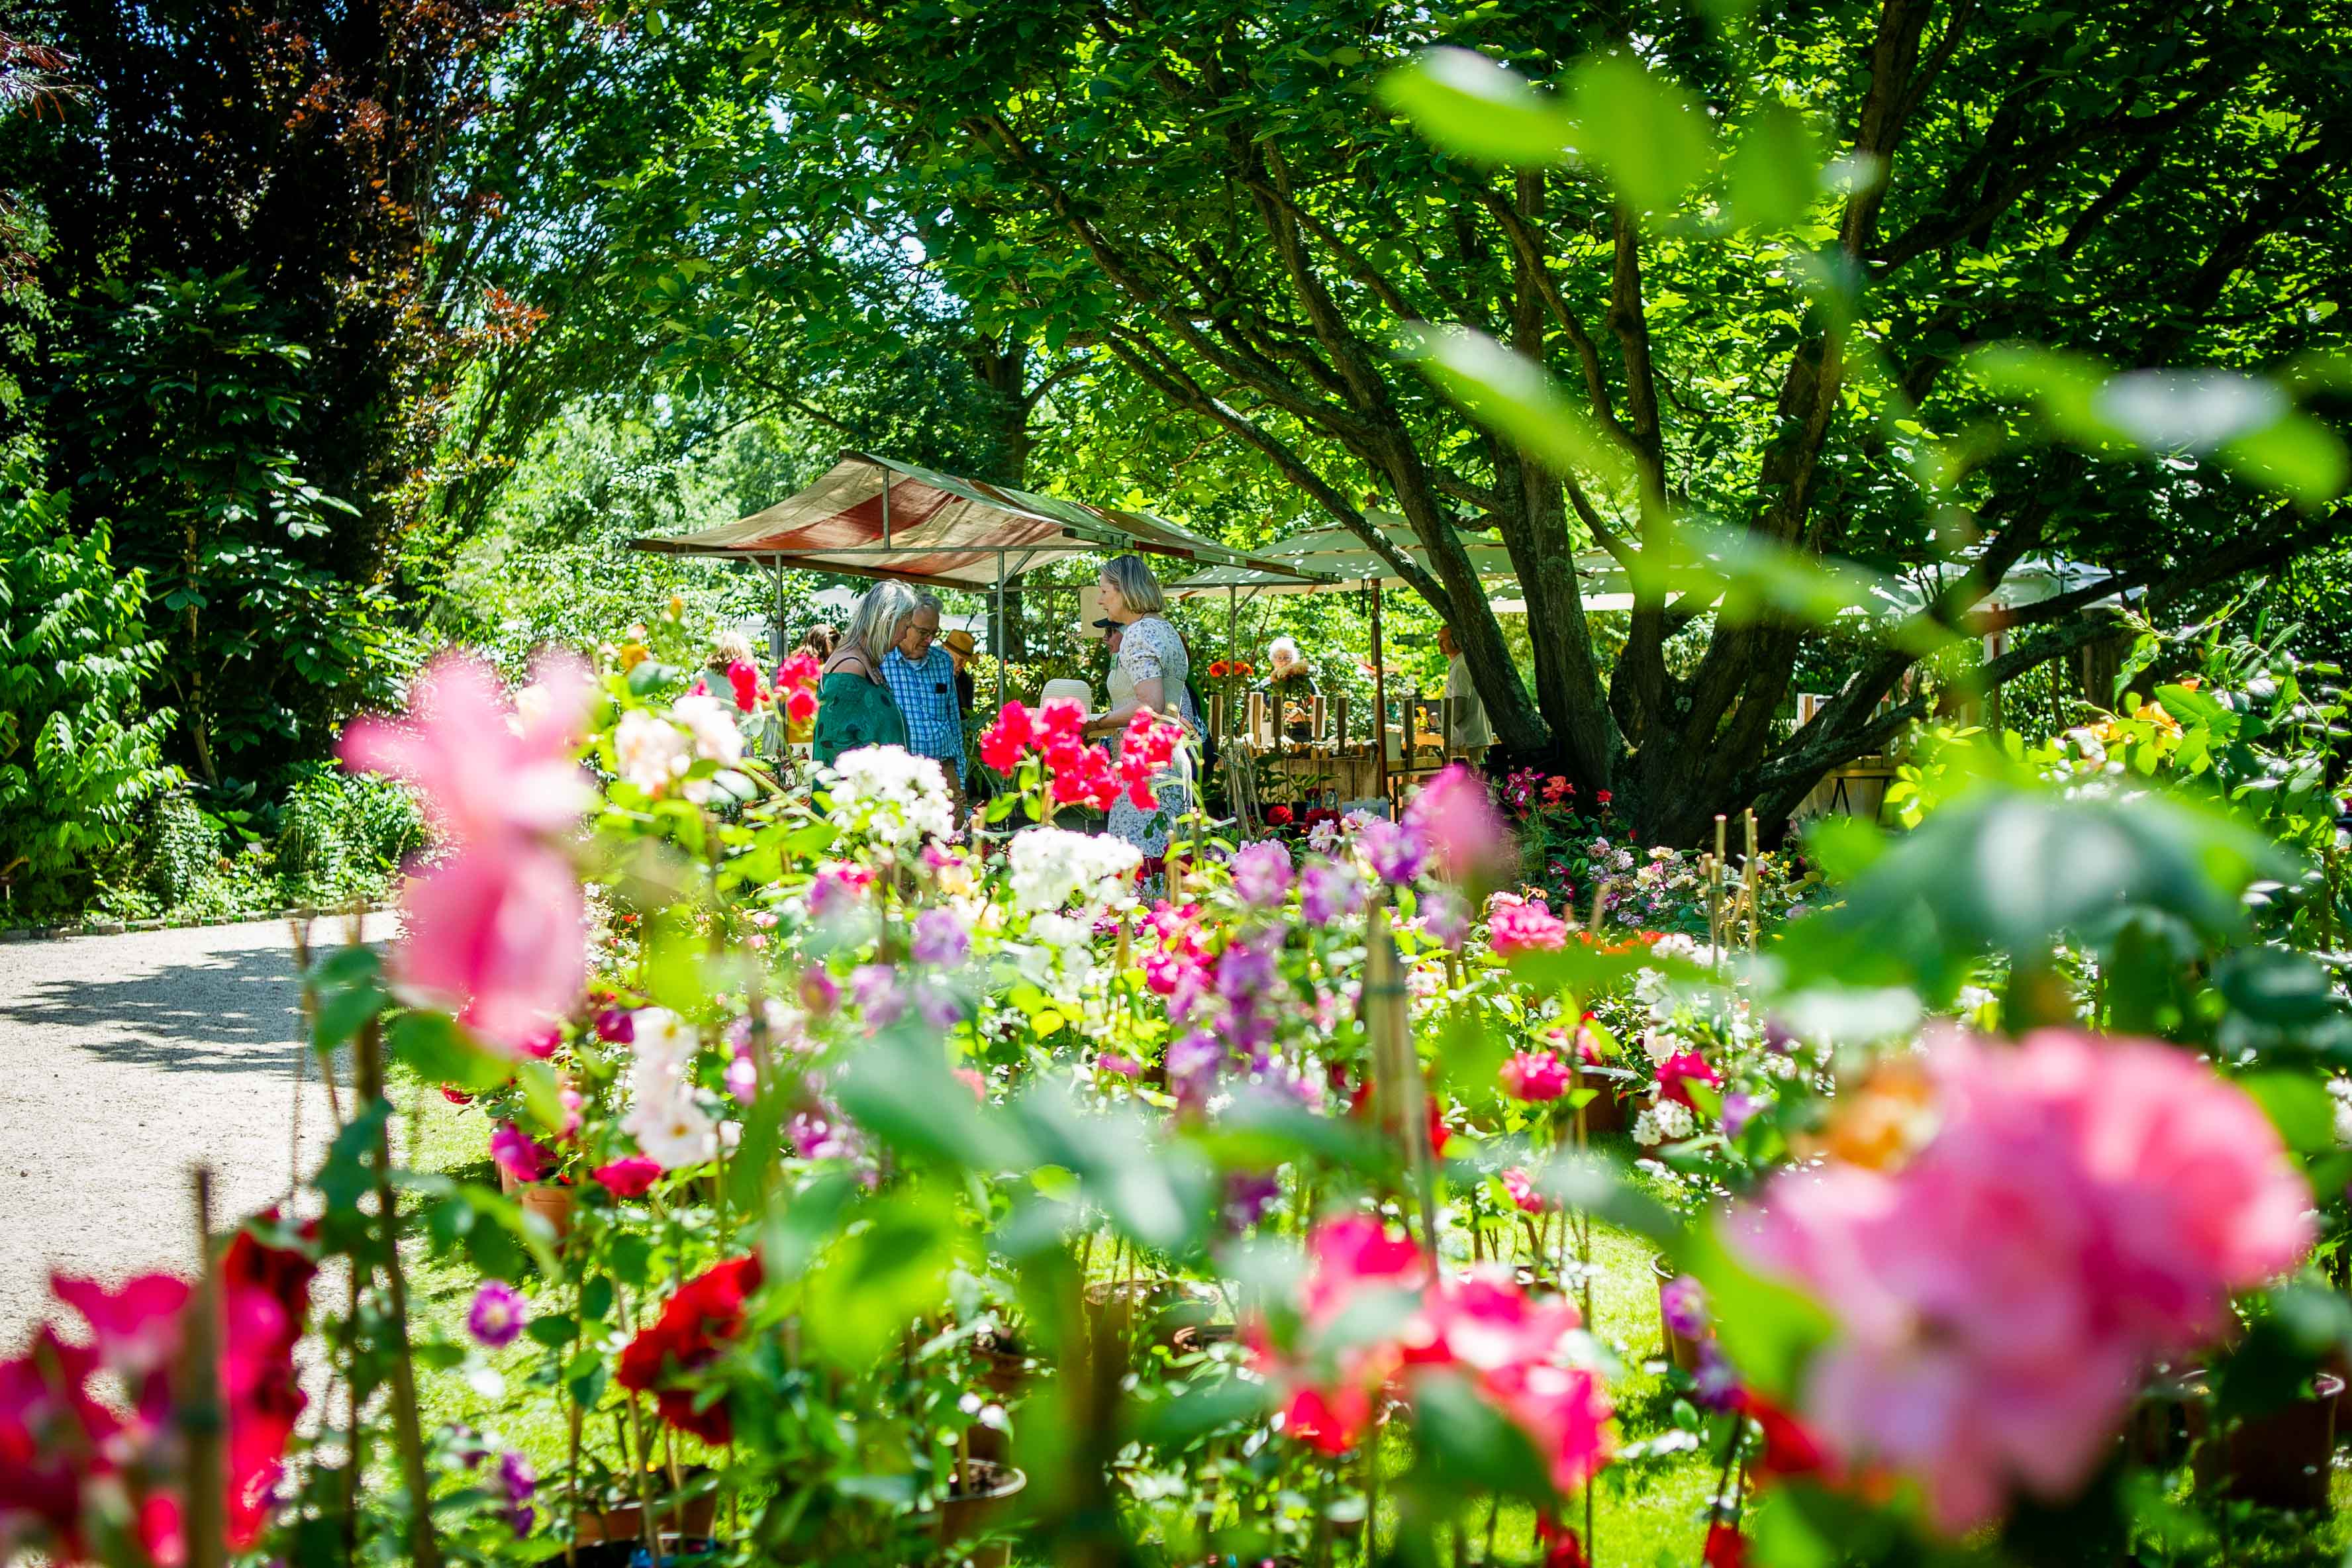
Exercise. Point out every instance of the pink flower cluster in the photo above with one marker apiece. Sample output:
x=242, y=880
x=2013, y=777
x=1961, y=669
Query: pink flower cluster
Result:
x=1515, y=924
x=1468, y=837
x=1075, y=772
x=494, y=930
x=2086, y=1207
x=73, y=1467
x=1480, y=1328
x=796, y=682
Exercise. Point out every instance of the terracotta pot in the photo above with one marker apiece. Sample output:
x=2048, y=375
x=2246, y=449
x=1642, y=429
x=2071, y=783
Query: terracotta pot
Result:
x=1683, y=1351
x=1604, y=1113
x=551, y=1203
x=692, y=1518
x=1003, y=1372
x=2282, y=1459
x=982, y=1502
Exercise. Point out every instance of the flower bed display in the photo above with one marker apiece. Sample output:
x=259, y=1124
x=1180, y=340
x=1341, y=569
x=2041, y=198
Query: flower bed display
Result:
x=872, y=1187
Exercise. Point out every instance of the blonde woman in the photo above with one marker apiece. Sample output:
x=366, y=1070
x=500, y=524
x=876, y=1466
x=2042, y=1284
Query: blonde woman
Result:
x=853, y=706
x=1148, y=674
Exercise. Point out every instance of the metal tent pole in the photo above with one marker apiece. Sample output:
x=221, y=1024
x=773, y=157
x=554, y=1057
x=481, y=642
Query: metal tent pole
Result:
x=1000, y=631
x=776, y=625
x=1232, y=642
x=885, y=508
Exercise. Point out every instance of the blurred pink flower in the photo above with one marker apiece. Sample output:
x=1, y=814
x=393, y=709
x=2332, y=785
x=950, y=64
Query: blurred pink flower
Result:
x=629, y=1177
x=1523, y=1193
x=483, y=775
x=1466, y=835
x=2086, y=1208
x=1535, y=1076
x=517, y=1154
x=493, y=934
x=1481, y=1329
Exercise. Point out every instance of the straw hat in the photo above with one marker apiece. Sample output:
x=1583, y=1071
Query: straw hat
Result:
x=960, y=645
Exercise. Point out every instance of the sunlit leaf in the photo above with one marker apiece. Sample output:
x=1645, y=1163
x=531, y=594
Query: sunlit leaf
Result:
x=1774, y=173
x=2296, y=456
x=1517, y=398
x=1467, y=104
x=1651, y=137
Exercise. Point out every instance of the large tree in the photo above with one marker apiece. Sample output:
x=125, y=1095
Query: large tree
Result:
x=251, y=329
x=1210, y=195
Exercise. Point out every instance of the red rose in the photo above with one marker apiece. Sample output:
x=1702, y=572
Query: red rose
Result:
x=695, y=1327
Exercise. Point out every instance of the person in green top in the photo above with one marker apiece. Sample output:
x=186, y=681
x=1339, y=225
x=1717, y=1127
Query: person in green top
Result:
x=853, y=707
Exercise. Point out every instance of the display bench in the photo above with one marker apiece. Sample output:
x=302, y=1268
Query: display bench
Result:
x=1316, y=751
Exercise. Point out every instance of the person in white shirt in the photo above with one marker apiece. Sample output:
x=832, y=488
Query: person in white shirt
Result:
x=1469, y=735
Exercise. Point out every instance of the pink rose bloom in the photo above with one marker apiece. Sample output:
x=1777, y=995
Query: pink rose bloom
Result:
x=1677, y=1073
x=1524, y=1196
x=2085, y=1209
x=517, y=1153
x=485, y=773
x=494, y=934
x=1523, y=925
x=1466, y=834
x=1535, y=1076
x=493, y=937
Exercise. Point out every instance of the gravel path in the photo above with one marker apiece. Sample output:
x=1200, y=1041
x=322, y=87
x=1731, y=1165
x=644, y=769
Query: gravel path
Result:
x=125, y=1060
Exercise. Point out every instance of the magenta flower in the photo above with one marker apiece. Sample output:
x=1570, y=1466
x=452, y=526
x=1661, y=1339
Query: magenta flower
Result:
x=520, y=1482
x=1329, y=891
x=1444, y=918
x=2086, y=1208
x=1523, y=1195
x=1395, y=850
x=632, y=1177
x=1538, y=1076
x=1682, y=1302
x=876, y=989
x=1467, y=835
x=517, y=1153
x=496, y=1317
x=1679, y=1071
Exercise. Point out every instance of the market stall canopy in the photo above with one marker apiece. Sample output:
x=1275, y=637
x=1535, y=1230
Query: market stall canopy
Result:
x=1338, y=557
x=879, y=517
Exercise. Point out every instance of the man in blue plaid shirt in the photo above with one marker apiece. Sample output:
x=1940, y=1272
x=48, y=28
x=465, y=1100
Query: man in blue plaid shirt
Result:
x=922, y=678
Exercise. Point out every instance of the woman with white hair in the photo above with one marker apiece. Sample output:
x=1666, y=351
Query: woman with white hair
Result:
x=1288, y=686
x=853, y=706
x=1149, y=674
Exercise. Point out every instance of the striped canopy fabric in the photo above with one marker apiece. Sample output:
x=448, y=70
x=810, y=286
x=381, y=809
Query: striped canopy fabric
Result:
x=878, y=517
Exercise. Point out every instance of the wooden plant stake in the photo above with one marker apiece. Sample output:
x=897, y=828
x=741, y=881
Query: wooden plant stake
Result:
x=1398, y=1093
x=423, y=1544
x=202, y=1421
